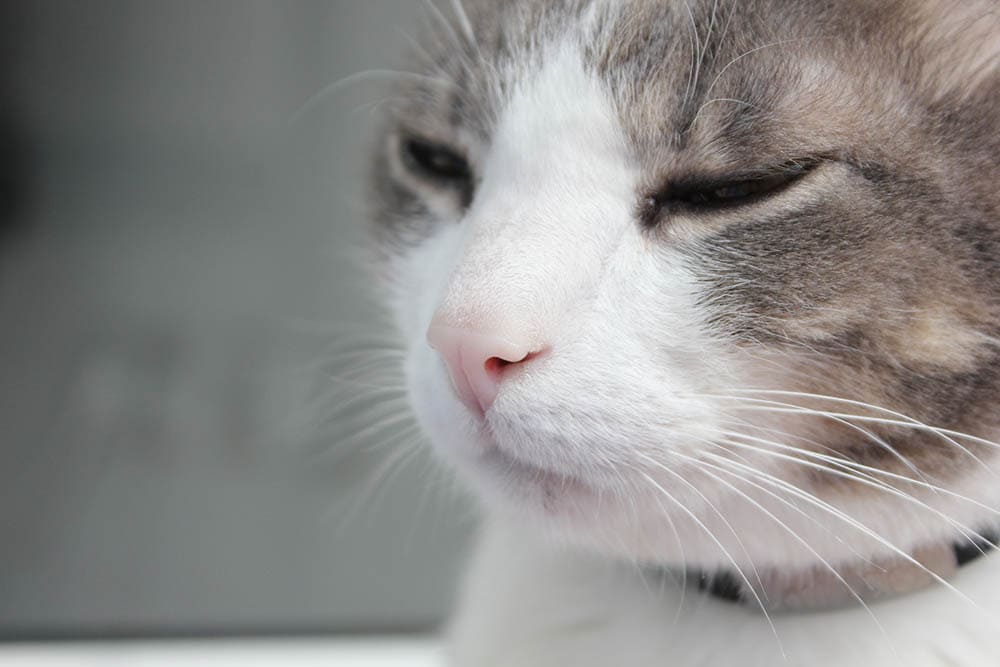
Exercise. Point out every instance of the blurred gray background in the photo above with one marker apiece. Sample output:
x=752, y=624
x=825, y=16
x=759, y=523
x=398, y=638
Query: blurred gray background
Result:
x=178, y=268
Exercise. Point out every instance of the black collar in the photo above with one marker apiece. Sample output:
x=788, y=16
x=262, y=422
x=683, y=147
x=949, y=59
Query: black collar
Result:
x=725, y=585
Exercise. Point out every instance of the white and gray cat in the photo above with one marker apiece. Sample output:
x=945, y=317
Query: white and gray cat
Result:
x=702, y=298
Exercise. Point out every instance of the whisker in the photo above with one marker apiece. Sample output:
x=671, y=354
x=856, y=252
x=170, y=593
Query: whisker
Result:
x=846, y=401
x=456, y=40
x=324, y=328
x=320, y=419
x=847, y=463
x=816, y=502
x=696, y=43
x=790, y=505
x=310, y=105
x=366, y=440
x=746, y=54
x=867, y=480
x=714, y=509
x=716, y=100
x=698, y=522
x=419, y=50
x=787, y=529
x=684, y=562
x=763, y=405
x=372, y=429
x=465, y=23
x=379, y=376
x=344, y=346
x=385, y=396
x=379, y=478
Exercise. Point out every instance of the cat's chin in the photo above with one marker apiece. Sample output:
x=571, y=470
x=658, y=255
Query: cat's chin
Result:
x=551, y=491
x=568, y=506
x=564, y=508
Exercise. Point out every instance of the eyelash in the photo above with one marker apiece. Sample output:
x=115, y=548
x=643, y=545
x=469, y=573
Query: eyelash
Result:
x=436, y=162
x=720, y=194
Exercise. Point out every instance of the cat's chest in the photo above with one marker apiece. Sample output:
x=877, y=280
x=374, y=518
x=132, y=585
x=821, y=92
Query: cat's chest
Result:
x=528, y=605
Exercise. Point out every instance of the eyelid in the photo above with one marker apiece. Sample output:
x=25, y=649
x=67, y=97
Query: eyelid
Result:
x=443, y=163
x=679, y=193
x=453, y=162
x=790, y=171
x=438, y=164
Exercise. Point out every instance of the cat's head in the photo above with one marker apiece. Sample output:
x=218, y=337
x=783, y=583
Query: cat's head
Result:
x=671, y=271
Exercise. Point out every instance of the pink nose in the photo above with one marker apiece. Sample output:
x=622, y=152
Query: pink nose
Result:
x=476, y=361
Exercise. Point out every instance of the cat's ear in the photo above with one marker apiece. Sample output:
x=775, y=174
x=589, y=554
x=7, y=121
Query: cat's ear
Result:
x=962, y=40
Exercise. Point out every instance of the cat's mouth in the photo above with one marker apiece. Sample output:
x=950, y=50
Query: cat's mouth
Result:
x=511, y=466
x=517, y=475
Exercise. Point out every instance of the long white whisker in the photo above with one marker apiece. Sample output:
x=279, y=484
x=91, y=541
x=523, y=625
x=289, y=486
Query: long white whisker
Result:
x=711, y=506
x=361, y=77
x=382, y=396
x=740, y=57
x=788, y=504
x=374, y=429
x=705, y=44
x=465, y=23
x=764, y=405
x=453, y=35
x=786, y=528
x=853, y=465
x=320, y=413
x=696, y=42
x=419, y=50
x=816, y=502
x=341, y=328
x=716, y=100
x=840, y=419
x=847, y=401
x=394, y=463
x=725, y=552
x=865, y=480
x=886, y=422
x=677, y=540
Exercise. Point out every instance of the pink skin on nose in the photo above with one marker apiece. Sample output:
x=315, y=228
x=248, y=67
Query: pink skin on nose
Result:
x=475, y=360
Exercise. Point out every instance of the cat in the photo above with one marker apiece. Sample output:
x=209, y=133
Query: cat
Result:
x=701, y=298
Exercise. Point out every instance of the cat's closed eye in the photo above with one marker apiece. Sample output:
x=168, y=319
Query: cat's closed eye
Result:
x=703, y=195
x=437, y=163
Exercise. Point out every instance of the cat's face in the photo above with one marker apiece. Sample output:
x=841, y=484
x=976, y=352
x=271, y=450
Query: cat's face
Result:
x=694, y=267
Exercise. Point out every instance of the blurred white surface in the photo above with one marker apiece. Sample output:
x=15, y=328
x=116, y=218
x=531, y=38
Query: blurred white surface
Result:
x=371, y=652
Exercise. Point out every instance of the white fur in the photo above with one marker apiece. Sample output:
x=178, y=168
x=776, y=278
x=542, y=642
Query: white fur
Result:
x=575, y=446
x=528, y=604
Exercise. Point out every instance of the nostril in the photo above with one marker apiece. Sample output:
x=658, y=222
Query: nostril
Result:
x=477, y=361
x=495, y=367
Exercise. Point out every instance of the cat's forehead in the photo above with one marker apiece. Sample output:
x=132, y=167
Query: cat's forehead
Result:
x=719, y=78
